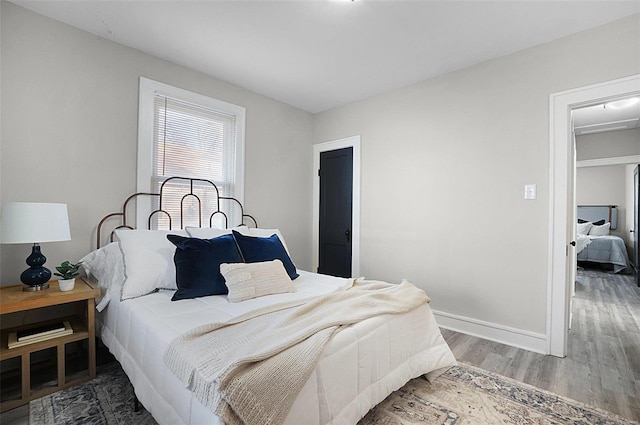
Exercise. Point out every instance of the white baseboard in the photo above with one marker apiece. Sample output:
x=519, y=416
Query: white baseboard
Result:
x=519, y=338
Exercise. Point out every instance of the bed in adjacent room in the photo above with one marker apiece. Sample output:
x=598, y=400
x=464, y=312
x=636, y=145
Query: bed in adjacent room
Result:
x=595, y=244
x=161, y=326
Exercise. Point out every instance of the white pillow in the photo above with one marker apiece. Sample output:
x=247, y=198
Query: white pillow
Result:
x=148, y=261
x=263, y=233
x=106, y=266
x=206, y=232
x=600, y=230
x=251, y=280
x=583, y=228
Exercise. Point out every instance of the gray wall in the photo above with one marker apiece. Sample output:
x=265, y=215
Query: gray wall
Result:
x=69, y=109
x=605, y=185
x=610, y=184
x=629, y=171
x=0, y=128
x=610, y=144
x=450, y=157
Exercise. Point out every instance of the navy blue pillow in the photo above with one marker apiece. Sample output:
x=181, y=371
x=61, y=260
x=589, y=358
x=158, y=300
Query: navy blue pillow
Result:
x=198, y=265
x=255, y=250
x=595, y=223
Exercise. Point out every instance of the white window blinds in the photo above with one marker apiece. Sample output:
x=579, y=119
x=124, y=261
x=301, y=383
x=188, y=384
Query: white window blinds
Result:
x=193, y=141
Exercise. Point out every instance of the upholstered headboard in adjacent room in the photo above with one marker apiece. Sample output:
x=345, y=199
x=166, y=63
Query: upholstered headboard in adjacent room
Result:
x=595, y=213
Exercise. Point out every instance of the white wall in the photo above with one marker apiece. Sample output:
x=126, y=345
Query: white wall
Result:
x=69, y=109
x=444, y=164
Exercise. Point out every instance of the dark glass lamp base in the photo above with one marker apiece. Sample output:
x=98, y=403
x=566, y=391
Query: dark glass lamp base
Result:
x=36, y=277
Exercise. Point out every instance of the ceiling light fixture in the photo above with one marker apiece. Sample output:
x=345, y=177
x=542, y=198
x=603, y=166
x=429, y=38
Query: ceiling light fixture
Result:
x=623, y=103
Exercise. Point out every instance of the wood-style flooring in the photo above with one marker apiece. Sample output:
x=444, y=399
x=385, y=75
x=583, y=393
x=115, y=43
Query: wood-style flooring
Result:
x=603, y=364
x=602, y=367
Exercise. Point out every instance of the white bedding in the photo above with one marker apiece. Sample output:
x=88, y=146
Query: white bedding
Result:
x=360, y=366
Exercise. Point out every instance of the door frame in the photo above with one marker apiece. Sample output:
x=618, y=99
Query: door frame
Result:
x=347, y=142
x=560, y=160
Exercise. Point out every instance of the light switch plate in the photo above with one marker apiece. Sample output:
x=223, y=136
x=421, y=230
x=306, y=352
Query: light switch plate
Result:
x=529, y=191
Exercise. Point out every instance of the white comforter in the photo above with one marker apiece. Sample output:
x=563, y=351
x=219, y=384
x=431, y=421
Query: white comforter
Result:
x=360, y=366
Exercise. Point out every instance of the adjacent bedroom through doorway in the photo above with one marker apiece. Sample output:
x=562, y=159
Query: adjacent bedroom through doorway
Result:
x=606, y=298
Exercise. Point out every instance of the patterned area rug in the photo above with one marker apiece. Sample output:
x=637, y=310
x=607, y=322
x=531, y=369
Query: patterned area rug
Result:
x=468, y=395
x=462, y=395
x=106, y=400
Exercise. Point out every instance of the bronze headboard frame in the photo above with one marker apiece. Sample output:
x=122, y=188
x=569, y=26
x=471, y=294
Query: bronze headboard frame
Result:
x=123, y=214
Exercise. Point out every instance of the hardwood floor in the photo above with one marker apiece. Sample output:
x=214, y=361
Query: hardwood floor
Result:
x=17, y=416
x=602, y=367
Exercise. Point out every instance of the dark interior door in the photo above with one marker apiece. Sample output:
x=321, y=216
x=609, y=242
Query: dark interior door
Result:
x=635, y=232
x=336, y=197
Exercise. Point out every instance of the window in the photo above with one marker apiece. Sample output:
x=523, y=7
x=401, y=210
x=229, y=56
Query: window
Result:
x=185, y=134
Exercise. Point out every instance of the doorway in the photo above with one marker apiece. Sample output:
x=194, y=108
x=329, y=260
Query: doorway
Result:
x=336, y=203
x=604, y=294
x=561, y=194
x=336, y=227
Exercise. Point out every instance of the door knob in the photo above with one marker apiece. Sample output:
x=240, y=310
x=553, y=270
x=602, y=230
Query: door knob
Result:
x=572, y=243
x=347, y=233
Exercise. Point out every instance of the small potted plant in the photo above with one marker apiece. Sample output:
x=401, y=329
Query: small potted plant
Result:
x=67, y=272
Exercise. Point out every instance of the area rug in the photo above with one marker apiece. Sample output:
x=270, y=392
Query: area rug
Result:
x=462, y=395
x=106, y=400
x=468, y=395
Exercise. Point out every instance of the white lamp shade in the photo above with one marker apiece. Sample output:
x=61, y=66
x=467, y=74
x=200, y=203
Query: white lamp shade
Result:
x=31, y=222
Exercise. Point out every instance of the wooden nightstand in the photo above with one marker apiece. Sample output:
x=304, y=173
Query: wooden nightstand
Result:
x=54, y=362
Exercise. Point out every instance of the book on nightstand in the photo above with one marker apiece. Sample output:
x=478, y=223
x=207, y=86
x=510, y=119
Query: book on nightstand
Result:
x=39, y=333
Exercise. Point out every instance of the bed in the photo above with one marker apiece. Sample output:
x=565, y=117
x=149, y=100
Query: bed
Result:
x=594, y=243
x=360, y=365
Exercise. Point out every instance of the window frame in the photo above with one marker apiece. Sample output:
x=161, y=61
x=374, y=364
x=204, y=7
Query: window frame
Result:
x=147, y=90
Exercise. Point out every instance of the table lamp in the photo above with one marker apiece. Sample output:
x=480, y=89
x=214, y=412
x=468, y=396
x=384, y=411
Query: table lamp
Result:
x=30, y=222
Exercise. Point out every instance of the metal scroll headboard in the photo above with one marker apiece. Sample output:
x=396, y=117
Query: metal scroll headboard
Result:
x=187, y=186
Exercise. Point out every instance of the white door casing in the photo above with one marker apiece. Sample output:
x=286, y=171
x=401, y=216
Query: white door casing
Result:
x=561, y=160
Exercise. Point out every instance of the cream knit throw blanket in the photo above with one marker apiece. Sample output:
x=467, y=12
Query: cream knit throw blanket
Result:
x=250, y=370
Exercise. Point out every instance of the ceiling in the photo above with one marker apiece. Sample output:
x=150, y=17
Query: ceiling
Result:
x=318, y=55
